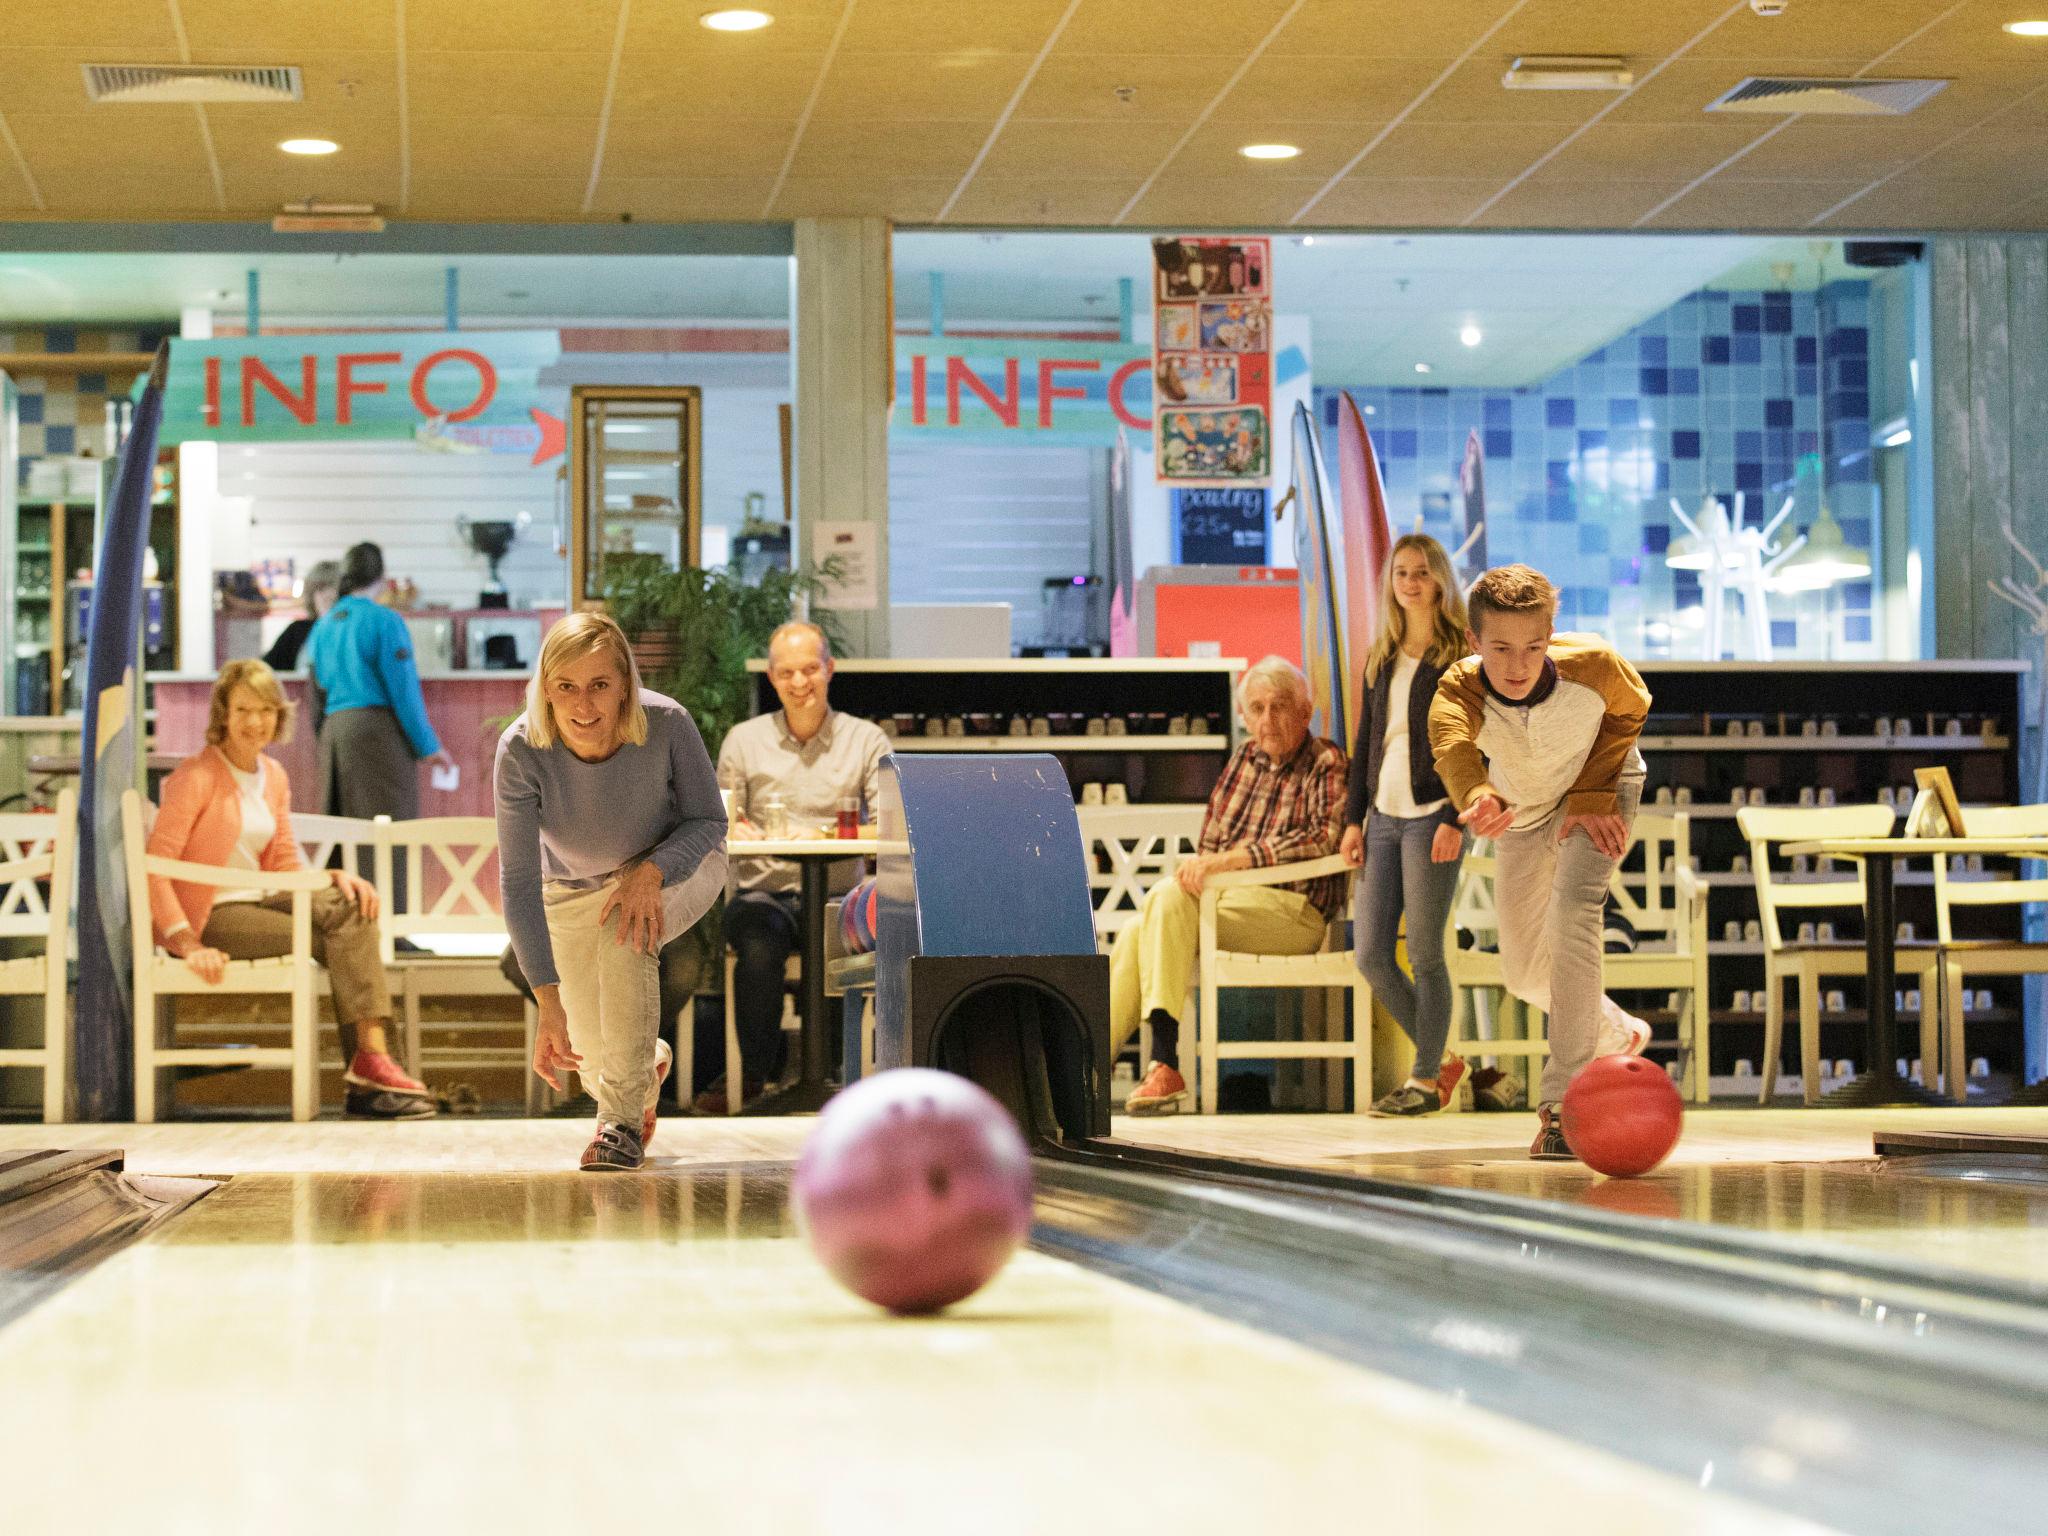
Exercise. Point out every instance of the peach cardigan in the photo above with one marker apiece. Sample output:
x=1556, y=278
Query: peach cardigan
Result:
x=200, y=822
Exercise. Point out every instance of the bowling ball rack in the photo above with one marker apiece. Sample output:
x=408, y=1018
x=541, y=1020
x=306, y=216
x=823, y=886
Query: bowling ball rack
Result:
x=1695, y=1350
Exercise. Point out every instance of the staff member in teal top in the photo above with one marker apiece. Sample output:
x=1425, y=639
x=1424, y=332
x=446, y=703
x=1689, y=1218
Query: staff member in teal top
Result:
x=373, y=717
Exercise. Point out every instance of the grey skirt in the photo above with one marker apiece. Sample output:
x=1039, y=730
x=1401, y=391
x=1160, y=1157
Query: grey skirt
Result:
x=367, y=767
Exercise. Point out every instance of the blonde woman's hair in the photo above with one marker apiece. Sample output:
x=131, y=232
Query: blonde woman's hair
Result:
x=1447, y=624
x=573, y=638
x=257, y=677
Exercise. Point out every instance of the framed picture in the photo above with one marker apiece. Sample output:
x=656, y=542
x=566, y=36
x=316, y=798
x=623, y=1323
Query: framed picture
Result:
x=1937, y=780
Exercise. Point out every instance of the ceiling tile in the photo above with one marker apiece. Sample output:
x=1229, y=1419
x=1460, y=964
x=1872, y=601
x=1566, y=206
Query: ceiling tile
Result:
x=1347, y=88
x=884, y=149
x=1758, y=205
x=146, y=138
x=769, y=87
x=917, y=86
x=137, y=194
x=570, y=84
x=1190, y=202
x=666, y=29
x=1400, y=203
x=1042, y=150
x=1214, y=152
x=1167, y=89
x=1816, y=28
x=680, y=149
x=1821, y=149
x=522, y=199
x=1645, y=31
x=1438, y=29
x=948, y=26
x=682, y=199
x=102, y=26
x=1549, y=203
x=1042, y=199
x=532, y=26
x=503, y=146
x=284, y=30
x=906, y=199
x=1427, y=148
x=1914, y=202
x=1474, y=94
x=268, y=187
x=1650, y=151
x=1170, y=27
x=14, y=193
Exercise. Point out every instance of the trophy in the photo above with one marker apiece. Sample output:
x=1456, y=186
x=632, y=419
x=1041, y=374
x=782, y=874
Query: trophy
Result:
x=493, y=540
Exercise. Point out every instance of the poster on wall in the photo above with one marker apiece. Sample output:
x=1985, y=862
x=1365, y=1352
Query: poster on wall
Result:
x=1219, y=526
x=1212, y=342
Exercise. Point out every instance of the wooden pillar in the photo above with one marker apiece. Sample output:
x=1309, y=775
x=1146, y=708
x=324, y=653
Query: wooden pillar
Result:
x=844, y=358
x=1990, y=367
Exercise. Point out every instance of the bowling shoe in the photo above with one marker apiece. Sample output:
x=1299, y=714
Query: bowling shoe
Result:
x=381, y=1104
x=376, y=1071
x=1448, y=1076
x=712, y=1100
x=1628, y=1038
x=1406, y=1100
x=1163, y=1092
x=1550, y=1145
x=614, y=1149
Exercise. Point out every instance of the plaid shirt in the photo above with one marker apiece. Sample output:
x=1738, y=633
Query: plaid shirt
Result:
x=1283, y=813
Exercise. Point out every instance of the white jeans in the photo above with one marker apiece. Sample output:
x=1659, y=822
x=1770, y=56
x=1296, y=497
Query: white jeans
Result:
x=612, y=992
x=1550, y=897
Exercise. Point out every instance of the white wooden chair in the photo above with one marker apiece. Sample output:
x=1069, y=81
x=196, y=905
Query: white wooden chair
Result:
x=1130, y=849
x=161, y=977
x=1662, y=900
x=1962, y=958
x=1476, y=972
x=1328, y=969
x=459, y=927
x=1808, y=962
x=38, y=848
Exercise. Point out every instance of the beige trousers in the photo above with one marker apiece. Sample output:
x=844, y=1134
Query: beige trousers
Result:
x=1151, y=960
x=343, y=940
x=612, y=994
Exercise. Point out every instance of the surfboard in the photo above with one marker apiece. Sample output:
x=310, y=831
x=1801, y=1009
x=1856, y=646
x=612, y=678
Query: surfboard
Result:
x=1322, y=636
x=1362, y=507
x=1468, y=555
x=110, y=756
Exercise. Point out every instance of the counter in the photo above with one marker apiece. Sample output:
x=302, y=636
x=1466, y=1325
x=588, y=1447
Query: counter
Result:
x=461, y=705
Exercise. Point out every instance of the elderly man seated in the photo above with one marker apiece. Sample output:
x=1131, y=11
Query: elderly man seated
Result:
x=1280, y=800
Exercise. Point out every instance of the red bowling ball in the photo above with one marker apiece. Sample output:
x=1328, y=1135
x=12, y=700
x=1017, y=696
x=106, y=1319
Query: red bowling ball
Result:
x=1622, y=1115
x=914, y=1189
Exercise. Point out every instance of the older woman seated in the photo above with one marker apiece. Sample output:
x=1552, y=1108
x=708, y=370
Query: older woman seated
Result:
x=230, y=805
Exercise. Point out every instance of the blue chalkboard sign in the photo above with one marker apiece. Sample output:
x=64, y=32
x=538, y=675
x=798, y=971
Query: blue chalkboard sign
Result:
x=1221, y=526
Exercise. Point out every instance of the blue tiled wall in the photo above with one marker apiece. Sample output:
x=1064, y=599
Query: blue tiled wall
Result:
x=1718, y=394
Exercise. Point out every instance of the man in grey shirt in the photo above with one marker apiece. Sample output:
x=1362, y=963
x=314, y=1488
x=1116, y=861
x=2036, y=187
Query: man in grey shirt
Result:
x=812, y=758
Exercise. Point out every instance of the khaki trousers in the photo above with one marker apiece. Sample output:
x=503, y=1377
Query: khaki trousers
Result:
x=612, y=994
x=344, y=941
x=1151, y=960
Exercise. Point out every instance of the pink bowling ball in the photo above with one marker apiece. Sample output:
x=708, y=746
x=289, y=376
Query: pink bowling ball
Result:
x=914, y=1189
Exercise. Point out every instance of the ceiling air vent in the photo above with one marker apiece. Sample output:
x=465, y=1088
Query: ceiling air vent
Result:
x=1839, y=98
x=191, y=82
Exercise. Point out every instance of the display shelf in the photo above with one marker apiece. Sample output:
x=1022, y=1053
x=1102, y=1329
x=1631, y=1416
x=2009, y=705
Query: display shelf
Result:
x=1970, y=743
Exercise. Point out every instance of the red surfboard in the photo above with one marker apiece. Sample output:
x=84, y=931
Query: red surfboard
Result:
x=1362, y=513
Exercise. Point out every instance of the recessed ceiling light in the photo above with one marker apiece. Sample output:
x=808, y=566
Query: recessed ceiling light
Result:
x=309, y=146
x=1471, y=336
x=735, y=21
x=1270, y=151
x=1308, y=239
x=1422, y=367
x=2027, y=28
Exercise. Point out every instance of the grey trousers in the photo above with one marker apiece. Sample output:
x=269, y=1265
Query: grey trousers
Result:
x=1550, y=896
x=1398, y=877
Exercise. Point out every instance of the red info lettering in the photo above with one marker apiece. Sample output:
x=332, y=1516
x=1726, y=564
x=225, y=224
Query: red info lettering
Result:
x=347, y=387
x=1049, y=390
x=303, y=406
x=486, y=382
x=958, y=373
x=917, y=377
x=1117, y=381
x=210, y=412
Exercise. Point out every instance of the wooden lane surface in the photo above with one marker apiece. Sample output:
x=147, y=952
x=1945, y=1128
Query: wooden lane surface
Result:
x=550, y=1351
x=1804, y=1174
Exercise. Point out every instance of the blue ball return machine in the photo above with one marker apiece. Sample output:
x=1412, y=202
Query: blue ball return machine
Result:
x=985, y=955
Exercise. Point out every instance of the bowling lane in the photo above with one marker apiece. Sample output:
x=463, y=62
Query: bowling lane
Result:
x=1800, y=1173
x=494, y=1351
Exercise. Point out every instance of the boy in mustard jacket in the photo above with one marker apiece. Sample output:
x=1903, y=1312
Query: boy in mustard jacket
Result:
x=1534, y=737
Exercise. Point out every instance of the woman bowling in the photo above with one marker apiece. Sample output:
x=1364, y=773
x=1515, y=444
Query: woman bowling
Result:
x=611, y=841
x=230, y=805
x=1401, y=828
